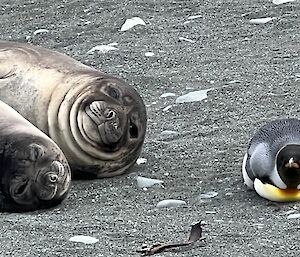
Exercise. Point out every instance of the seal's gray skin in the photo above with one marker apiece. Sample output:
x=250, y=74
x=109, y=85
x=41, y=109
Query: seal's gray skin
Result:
x=99, y=121
x=34, y=172
x=273, y=155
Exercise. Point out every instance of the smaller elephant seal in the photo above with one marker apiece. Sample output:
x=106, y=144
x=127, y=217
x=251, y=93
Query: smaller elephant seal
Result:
x=271, y=165
x=34, y=172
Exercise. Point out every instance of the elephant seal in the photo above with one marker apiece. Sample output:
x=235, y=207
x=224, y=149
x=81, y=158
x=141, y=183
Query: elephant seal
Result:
x=271, y=165
x=98, y=120
x=34, y=172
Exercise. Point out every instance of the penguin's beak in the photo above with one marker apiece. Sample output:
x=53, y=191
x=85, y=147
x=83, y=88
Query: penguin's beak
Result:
x=292, y=164
x=276, y=194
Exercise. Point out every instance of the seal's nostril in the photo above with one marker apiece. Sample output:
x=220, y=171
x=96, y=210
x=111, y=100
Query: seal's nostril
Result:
x=133, y=130
x=110, y=114
x=21, y=188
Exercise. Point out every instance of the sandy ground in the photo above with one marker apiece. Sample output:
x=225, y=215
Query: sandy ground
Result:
x=253, y=71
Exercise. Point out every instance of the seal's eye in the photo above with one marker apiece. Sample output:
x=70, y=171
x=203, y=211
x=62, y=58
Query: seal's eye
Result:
x=114, y=93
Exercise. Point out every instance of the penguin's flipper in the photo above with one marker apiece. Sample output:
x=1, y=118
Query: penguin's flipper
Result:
x=247, y=180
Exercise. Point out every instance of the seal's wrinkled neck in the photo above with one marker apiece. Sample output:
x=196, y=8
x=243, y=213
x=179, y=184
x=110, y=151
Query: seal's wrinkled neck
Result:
x=288, y=165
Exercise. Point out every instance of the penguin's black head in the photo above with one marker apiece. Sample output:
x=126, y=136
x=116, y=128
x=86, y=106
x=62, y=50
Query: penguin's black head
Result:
x=288, y=165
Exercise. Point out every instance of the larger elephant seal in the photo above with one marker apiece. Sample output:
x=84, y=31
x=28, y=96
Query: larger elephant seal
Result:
x=34, y=172
x=98, y=120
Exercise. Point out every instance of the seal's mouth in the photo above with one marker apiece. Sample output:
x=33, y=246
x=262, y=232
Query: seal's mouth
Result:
x=276, y=194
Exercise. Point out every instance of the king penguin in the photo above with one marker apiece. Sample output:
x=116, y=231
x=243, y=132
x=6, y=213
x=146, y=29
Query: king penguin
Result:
x=271, y=165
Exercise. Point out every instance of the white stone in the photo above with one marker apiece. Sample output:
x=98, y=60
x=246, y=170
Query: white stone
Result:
x=84, y=239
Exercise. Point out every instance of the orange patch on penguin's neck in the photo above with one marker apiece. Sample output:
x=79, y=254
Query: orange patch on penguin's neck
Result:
x=276, y=194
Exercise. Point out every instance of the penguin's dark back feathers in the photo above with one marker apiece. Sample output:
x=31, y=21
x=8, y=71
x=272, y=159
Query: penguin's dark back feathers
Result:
x=277, y=134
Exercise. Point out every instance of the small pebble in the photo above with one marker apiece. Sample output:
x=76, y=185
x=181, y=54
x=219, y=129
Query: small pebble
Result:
x=140, y=161
x=149, y=54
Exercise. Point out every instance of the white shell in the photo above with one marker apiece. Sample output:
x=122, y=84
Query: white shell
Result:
x=170, y=203
x=143, y=182
x=193, y=96
x=84, y=239
x=130, y=23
